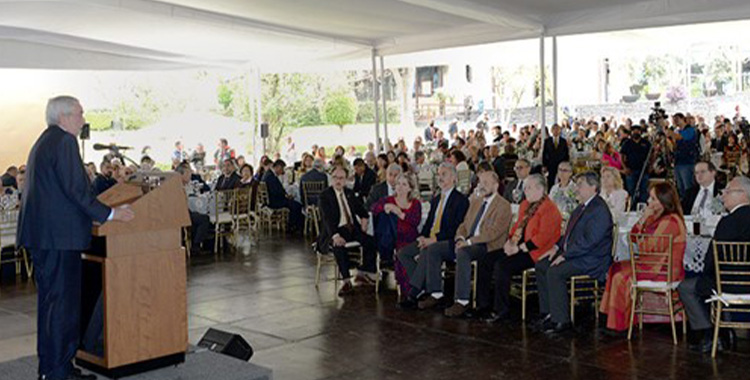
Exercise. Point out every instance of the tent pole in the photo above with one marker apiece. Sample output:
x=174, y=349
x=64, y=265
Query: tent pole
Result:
x=542, y=85
x=554, y=79
x=385, y=105
x=375, y=99
x=258, y=114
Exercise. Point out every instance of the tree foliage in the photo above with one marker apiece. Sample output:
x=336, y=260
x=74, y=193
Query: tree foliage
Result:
x=339, y=108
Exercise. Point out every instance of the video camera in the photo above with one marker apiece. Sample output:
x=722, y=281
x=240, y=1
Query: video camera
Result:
x=657, y=114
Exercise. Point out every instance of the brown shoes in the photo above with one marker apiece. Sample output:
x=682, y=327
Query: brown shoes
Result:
x=456, y=311
x=429, y=302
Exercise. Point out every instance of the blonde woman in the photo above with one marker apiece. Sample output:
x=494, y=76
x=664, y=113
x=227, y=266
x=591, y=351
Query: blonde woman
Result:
x=612, y=190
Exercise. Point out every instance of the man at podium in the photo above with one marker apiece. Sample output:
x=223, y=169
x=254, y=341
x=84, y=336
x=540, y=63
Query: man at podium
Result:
x=58, y=209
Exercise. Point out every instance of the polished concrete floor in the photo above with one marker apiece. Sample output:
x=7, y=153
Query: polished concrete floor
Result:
x=266, y=293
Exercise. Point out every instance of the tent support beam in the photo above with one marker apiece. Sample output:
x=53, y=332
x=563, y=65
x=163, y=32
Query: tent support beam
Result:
x=556, y=119
x=375, y=99
x=385, y=105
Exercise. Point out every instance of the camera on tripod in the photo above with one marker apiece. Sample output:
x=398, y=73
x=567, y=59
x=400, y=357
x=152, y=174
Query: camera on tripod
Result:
x=657, y=114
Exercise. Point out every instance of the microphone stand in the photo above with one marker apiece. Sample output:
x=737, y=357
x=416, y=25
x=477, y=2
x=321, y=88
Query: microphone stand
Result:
x=637, y=191
x=117, y=154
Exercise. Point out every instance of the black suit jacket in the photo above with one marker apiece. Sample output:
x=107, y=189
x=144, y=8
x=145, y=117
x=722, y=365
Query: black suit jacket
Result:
x=232, y=181
x=453, y=214
x=554, y=156
x=9, y=180
x=731, y=228
x=363, y=185
x=498, y=164
x=378, y=191
x=102, y=183
x=590, y=239
x=692, y=193
x=276, y=193
x=330, y=215
x=508, y=192
x=312, y=176
x=58, y=205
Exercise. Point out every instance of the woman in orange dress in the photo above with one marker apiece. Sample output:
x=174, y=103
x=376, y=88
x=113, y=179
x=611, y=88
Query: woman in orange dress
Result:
x=663, y=216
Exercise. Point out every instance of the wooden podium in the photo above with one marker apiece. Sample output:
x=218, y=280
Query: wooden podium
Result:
x=137, y=272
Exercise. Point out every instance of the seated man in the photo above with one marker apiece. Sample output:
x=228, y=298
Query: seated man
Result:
x=103, y=180
x=386, y=188
x=732, y=228
x=514, y=190
x=200, y=223
x=584, y=249
x=278, y=198
x=229, y=179
x=344, y=220
x=364, y=179
x=699, y=199
x=447, y=211
x=484, y=230
x=316, y=174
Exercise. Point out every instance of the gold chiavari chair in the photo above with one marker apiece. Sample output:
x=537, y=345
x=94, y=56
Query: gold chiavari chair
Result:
x=8, y=227
x=652, y=255
x=223, y=219
x=463, y=184
x=584, y=287
x=270, y=217
x=732, y=265
x=311, y=191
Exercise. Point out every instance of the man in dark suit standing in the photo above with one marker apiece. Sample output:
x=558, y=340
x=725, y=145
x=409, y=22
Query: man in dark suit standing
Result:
x=699, y=198
x=584, y=248
x=229, y=179
x=732, y=228
x=57, y=211
x=447, y=211
x=555, y=152
x=278, y=198
x=364, y=179
x=344, y=221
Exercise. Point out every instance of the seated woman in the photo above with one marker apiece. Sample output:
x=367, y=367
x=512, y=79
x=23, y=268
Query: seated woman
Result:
x=248, y=181
x=563, y=193
x=663, y=216
x=612, y=191
x=397, y=217
x=535, y=232
x=610, y=156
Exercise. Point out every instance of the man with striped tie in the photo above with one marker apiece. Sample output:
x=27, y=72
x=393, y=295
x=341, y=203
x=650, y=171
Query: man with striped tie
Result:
x=447, y=211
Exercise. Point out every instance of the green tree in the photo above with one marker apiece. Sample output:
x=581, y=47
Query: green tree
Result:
x=339, y=108
x=225, y=97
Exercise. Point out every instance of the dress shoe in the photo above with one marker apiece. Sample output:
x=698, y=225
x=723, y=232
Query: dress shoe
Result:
x=558, y=328
x=538, y=324
x=429, y=303
x=409, y=303
x=346, y=290
x=456, y=311
x=496, y=318
x=363, y=279
x=77, y=374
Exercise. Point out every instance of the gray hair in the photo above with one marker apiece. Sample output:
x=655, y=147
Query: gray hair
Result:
x=318, y=164
x=538, y=179
x=744, y=183
x=60, y=105
x=395, y=168
x=451, y=167
x=592, y=179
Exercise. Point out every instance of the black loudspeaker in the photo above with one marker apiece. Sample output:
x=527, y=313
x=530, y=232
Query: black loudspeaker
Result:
x=264, y=130
x=86, y=131
x=226, y=343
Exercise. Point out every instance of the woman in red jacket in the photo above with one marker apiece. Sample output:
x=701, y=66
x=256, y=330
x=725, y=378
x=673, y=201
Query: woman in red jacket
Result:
x=535, y=232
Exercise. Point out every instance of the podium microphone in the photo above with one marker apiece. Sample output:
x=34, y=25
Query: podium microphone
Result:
x=110, y=147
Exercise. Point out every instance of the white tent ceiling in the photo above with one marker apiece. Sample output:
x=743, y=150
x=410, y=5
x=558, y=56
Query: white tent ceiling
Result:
x=284, y=35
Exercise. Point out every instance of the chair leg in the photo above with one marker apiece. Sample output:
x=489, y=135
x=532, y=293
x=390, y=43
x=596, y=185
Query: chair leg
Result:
x=671, y=316
x=684, y=323
x=640, y=314
x=596, y=300
x=378, y=274
x=717, y=323
x=634, y=297
x=524, y=282
x=573, y=301
x=317, y=271
x=474, y=286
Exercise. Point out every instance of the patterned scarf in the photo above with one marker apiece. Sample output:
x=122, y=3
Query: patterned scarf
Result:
x=533, y=207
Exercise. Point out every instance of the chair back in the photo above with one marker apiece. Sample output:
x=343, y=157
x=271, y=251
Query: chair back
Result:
x=426, y=179
x=732, y=264
x=8, y=226
x=651, y=254
x=262, y=200
x=311, y=190
x=242, y=200
x=225, y=201
x=464, y=181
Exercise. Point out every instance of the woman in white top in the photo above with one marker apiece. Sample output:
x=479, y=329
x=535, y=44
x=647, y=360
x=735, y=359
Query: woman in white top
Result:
x=612, y=191
x=563, y=193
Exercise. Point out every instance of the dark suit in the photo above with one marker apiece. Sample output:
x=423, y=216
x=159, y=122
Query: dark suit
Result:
x=454, y=212
x=586, y=246
x=228, y=182
x=277, y=199
x=312, y=176
x=498, y=165
x=363, y=185
x=553, y=156
x=694, y=290
x=9, y=181
x=378, y=191
x=330, y=216
x=692, y=194
x=102, y=183
x=508, y=192
x=57, y=210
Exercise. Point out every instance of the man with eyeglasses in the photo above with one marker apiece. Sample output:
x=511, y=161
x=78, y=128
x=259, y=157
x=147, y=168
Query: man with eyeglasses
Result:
x=699, y=198
x=514, y=191
x=695, y=290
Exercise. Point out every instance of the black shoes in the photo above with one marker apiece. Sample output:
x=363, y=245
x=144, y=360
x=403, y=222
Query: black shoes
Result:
x=409, y=303
x=494, y=317
x=557, y=328
x=77, y=374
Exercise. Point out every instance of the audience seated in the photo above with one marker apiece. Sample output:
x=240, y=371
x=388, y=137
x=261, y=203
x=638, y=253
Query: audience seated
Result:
x=364, y=179
x=663, y=216
x=200, y=224
x=229, y=178
x=534, y=233
x=612, y=191
x=385, y=188
x=514, y=190
x=694, y=291
x=103, y=180
x=316, y=174
x=344, y=220
x=584, y=249
x=699, y=199
x=278, y=198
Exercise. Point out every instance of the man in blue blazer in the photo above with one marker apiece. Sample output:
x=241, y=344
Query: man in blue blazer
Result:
x=437, y=237
x=57, y=211
x=584, y=249
x=278, y=198
x=316, y=174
